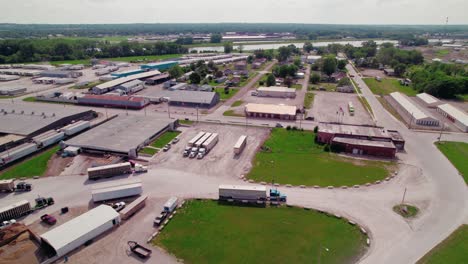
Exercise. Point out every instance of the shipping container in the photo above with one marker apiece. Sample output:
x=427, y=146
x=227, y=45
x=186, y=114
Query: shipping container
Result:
x=192, y=142
x=133, y=207
x=95, y=173
x=18, y=152
x=240, y=145
x=115, y=190
x=240, y=193
x=15, y=210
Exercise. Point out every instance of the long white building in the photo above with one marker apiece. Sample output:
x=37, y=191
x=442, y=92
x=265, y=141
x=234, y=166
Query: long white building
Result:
x=276, y=91
x=456, y=116
x=410, y=112
x=428, y=100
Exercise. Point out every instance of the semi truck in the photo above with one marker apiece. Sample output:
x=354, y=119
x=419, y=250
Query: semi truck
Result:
x=16, y=153
x=9, y=186
x=240, y=145
x=207, y=145
x=247, y=193
x=15, y=210
x=197, y=145
x=116, y=189
x=168, y=209
x=106, y=171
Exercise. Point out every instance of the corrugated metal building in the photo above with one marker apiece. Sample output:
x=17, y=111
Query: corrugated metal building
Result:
x=132, y=86
x=111, y=85
x=61, y=74
x=410, y=112
x=192, y=98
x=456, y=116
x=428, y=100
x=276, y=91
x=76, y=232
x=285, y=112
x=161, y=66
x=123, y=101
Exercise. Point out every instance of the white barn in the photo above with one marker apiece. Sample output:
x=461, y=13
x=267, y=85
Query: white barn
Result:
x=428, y=100
x=456, y=116
x=76, y=232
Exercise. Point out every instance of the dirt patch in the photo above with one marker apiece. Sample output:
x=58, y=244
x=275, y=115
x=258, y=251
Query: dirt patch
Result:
x=372, y=73
x=38, y=227
x=56, y=165
x=20, y=246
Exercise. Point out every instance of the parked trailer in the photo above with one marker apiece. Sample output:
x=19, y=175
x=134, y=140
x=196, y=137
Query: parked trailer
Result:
x=199, y=143
x=18, y=152
x=207, y=145
x=139, y=250
x=15, y=210
x=76, y=127
x=48, y=138
x=170, y=205
x=118, y=189
x=242, y=193
x=240, y=145
x=192, y=142
x=7, y=185
x=133, y=207
x=105, y=171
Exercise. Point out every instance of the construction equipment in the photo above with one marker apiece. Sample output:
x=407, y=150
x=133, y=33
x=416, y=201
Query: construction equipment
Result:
x=139, y=250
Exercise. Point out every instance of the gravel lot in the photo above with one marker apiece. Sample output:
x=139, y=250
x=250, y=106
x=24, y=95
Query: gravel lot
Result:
x=326, y=104
x=220, y=161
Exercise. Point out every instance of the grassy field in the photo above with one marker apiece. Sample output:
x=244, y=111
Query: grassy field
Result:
x=165, y=138
x=296, y=86
x=208, y=232
x=457, y=153
x=225, y=96
x=125, y=59
x=365, y=104
x=309, y=100
x=442, y=52
x=186, y=122
x=231, y=113
x=411, y=211
x=149, y=151
x=295, y=158
x=237, y=103
x=30, y=99
x=35, y=166
x=452, y=250
x=462, y=97
x=390, y=109
x=387, y=86
x=329, y=87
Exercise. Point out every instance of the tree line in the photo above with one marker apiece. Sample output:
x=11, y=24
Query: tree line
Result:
x=24, y=50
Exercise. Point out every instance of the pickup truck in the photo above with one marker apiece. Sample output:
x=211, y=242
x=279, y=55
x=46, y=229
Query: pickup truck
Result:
x=48, y=219
x=160, y=218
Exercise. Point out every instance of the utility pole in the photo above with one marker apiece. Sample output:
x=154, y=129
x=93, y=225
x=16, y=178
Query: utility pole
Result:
x=197, y=113
x=168, y=108
x=441, y=130
x=403, y=199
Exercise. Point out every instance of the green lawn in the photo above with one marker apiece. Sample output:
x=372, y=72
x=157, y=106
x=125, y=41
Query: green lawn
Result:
x=462, y=97
x=35, y=166
x=295, y=158
x=365, y=104
x=390, y=109
x=329, y=87
x=237, y=103
x=223, y=95
x=185, y=122
x=452, y=250
x=411, y=211
x=296, y=86
x=308, y=100
x=125, y=59
x=208, y=232
x=457, y=153
x=231, y=113
x=387, y=86
x=165, y=138
x=30, y=99
x=149, y=151
x=442, y=52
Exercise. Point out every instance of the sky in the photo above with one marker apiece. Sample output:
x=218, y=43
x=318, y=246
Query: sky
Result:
x=253, y=11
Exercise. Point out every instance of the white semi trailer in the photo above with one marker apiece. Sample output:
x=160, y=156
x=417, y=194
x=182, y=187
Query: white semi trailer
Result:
x=116, y=189
x=196, y=138
x=240, y=145
x=207, y=145
x=242, y=193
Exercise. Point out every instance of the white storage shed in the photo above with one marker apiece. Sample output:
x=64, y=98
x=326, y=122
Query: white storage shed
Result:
x=456, y=116
x=76, y=232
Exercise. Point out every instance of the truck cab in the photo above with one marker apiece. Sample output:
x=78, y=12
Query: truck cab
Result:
x=187, y=151
x=193, y=152
x=201, y=153
x=23, y=187
x=276, y=195
x=160, y=218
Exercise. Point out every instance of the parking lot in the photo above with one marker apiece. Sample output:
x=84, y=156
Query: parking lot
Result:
x=220, y=161
x=327, y=105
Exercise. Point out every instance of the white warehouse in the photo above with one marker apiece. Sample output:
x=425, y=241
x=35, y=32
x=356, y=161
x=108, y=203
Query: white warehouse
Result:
x=458, y=118
x=410, y=112
x=276, y=91
x=428, y=100
x=76, y=232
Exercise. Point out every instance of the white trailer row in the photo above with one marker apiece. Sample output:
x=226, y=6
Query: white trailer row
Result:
x=116, y=189
x=240, y=145
x=192, y=142
x=18, y=152
x=247, y=193
x=76, y=127
x=199, y=143
x=48, y=138
x=15, y=210
x=209, y=143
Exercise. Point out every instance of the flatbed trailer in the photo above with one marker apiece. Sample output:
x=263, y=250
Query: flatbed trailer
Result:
x=139, y=250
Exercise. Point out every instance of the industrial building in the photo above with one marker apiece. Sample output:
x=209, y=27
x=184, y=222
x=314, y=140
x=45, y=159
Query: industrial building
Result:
x=456, y=116
x=160, y=66
x=111, y=85
x=410, y=112
x=276, y=91
x=157, y=79
x=131, y=87
x=428, y=100
x=123, y=135
x=61, y=74
x=126, y=73
x=184, y=98
x=361, y=140
x=124, y=101
x=76, y=232
x=280, y=111
x=12, y=91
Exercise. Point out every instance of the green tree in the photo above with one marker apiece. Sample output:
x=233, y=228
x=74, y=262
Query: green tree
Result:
x=228, y=47
x=308, y=47
x=195, y=78
x=400, y=69
x=271, y=80
x=297, y=62
x=175, y=71
x=329, y=65
x=216, y=38
x=314, y=78
x=342, y=64
x=283, y=53
x=241, y=48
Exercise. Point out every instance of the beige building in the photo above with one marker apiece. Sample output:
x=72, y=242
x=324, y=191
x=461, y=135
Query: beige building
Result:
x=276, y=91
x=285, y=112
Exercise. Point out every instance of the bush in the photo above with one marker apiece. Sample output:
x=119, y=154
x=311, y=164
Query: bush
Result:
x=315, y=129
x=326, y=148
x=294, y=128
x=288, y=128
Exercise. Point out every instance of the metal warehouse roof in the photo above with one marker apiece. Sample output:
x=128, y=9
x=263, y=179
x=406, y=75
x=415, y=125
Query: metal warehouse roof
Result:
x=271, y=109
x=122, y=80
x=120, y=134
x=131, y=83
x=363, y=142
x=72, y=230
x=189, y=96
x=412, y=109
x=277, y=89
x=353, y=130
x=427, y=98
x=115, y=97
x=455, y=113
x=23, y=122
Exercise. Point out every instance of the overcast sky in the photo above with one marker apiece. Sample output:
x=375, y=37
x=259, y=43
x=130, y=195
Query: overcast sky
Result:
x=214, y=11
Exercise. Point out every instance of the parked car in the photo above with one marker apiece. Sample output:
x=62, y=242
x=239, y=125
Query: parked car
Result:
x=175, y=140
x=167, y=147
x=279, y=125
x=48, y=219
